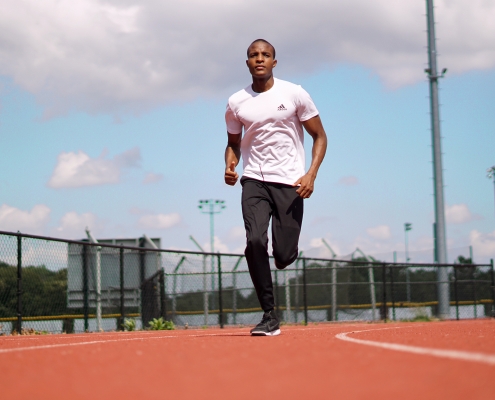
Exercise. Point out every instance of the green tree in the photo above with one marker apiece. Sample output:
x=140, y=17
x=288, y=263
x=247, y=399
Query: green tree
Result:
x=44, y=292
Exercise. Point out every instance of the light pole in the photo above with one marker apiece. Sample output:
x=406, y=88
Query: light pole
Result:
x=490, y=175
x=407, y=228
x=440, y=235
x=212, y=207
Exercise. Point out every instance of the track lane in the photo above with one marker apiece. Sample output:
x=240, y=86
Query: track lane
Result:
x=303, y=362
x=452, y=354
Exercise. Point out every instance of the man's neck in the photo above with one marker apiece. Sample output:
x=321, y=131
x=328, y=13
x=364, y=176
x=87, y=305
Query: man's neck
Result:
x=261, y=85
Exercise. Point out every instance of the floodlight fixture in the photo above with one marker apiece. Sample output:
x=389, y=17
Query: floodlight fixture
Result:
x=491, y=174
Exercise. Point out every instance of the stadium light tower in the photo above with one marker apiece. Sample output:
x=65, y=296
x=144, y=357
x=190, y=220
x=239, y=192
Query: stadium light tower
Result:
x=407, y=228
x=490, y=175
x=212, y=207
x=440, y=236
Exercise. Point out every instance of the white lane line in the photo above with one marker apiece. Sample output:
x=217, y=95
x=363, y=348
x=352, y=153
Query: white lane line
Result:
x=50, y=346
x=71, y=336
x=452, y=354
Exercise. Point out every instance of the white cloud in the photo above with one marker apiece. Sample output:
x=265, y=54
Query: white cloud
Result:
x=127, y=56
x=219, y=246
x=348, y=181
x=73, y=225
x=483, y=243
x=159, y=221
x=373, y=246
x=152, y=178
x=318, y=249
x=78, y=169
x=237, y=232
x=137, y=211
x=459, y=214
x=34, y=221
x=381, y=232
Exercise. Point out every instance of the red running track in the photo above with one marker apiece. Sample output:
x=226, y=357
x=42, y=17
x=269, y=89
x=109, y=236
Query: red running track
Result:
x=303, y=362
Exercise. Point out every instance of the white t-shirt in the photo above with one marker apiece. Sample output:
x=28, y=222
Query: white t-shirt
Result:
x=272, y=146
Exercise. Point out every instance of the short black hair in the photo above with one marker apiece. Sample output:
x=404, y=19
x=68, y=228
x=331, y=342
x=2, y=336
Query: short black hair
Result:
x=264, y=41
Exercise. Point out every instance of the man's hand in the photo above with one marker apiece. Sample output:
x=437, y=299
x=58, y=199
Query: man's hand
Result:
x=230, y=175
x=306, y=185
x=232, y=157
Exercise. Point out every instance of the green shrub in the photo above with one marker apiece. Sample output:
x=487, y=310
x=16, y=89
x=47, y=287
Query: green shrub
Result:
x=129, y=324
x=161, y=325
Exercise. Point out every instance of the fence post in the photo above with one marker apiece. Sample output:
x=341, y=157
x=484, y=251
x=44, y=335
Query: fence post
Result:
x=456, y=294
x=220, y=303
x=474, y=293
x=384, y=305
x=122, y=298
x=371, y=278
x=296, y=292
x=206, y=306
x=493, y=288
x=277, y=305
x=163, y=299
x=85, y=286
x=287, y=297
x=234, y=297
x=334, y=291
x=142, y=261
x=305, y=295
x=19, y=284
x=392, y=292
x=142, y=266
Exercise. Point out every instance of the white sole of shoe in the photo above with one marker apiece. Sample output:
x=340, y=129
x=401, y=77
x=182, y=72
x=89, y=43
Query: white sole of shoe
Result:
x=261, y=333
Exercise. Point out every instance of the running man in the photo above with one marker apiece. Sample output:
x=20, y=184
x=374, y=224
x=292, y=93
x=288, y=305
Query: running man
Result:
x=272, y=113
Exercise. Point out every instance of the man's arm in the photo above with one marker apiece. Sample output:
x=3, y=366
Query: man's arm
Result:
x=232, y=157
x=306, y=183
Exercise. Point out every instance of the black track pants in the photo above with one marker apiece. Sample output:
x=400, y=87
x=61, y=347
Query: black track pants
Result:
x=260, y=201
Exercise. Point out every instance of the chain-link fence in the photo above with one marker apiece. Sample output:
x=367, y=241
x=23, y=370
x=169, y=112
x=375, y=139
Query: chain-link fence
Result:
x=55, y=285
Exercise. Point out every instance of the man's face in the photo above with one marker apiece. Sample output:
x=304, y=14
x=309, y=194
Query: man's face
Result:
x=260, y=60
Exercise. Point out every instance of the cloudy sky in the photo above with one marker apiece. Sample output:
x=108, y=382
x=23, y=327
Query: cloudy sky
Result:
x=112, y=117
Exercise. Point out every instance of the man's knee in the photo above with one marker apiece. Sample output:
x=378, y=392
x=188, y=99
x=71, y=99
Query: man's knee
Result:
x=255, y=244
x=283, y=259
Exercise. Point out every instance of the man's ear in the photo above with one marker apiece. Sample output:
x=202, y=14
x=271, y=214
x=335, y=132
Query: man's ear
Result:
x=274, y=63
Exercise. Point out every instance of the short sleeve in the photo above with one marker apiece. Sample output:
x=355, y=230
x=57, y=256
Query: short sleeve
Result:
x=234, y=126
x=305, y=107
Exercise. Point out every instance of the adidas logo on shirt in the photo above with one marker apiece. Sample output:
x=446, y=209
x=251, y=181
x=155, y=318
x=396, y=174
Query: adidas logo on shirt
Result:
x=281, y=108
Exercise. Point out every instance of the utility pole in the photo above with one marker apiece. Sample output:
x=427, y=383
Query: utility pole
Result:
x=212, y=207
x=407, y=228
x=205, y=288
x=441, y=242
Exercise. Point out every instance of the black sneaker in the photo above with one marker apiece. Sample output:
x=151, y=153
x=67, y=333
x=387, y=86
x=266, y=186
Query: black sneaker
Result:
x=268, y=326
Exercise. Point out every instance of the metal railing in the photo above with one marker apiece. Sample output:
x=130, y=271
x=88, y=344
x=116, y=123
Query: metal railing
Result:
x=57, y=285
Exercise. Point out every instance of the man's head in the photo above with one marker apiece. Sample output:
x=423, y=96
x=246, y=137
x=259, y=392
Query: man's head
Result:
x=262, y=41
x=261, y=59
